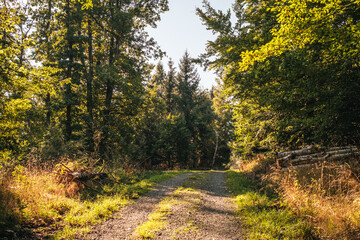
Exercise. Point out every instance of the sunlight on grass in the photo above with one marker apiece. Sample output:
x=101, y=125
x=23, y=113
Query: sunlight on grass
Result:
x=264, y=217
x=38, y=199
x=328, y=196
x=157, y=221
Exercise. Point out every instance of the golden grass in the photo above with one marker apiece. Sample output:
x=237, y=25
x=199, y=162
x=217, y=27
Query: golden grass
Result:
x=327, y=195
x=65, y=210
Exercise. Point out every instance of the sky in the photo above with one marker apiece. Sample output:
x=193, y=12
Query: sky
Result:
x=180, y=29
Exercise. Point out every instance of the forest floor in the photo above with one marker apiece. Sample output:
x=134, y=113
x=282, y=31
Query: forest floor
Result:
x=189, y=206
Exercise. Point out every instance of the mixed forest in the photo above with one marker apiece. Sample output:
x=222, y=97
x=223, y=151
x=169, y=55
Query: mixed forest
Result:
x=77, y=80
x=78, y=85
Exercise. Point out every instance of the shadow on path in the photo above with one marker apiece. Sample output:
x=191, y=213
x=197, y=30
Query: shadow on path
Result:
x=123, y=224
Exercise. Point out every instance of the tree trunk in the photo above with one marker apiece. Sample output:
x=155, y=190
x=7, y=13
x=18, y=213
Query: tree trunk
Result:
x=89, y=86
x=48, y=49
x=216, y=148
x=107, y=111
x=68, y=90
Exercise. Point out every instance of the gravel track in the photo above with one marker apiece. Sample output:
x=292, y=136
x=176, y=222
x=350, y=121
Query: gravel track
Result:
x=211, y=218
x=216, y=215
x=122, y=225
x=208, y=215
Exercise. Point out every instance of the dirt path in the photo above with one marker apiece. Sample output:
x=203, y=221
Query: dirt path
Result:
x=207, y=212
x=126, y=220
x=201, y=209
x=216, y=215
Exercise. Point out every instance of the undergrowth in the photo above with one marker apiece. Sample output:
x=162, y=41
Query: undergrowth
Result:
x=263, y=215
x=46, y=207
x=326, y=196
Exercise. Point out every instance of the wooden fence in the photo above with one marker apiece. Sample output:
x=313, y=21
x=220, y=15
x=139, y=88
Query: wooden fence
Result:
x=314, y=155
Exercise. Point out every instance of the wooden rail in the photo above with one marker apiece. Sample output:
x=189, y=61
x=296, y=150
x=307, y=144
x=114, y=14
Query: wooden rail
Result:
x=313, y=155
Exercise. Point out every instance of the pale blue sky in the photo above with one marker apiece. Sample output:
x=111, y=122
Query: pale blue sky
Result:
x=180, y=29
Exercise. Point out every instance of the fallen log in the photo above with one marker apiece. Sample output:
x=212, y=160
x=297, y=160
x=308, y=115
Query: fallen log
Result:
x=343, y=151
x=85, y=176
x=292, y=157
x=340, y=148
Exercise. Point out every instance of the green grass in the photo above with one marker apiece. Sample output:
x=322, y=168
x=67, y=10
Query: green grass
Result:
x=185, y=196
x=39, y=201
x=156, y=221
x=264, y=216
x=80, y=217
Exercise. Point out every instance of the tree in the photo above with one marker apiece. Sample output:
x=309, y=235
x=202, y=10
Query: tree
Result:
x=170, y=82
x=223, y=125
x=13, y=79
x=285, y=71
x=187, y=87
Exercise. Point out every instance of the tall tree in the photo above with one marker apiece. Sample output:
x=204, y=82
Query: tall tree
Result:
x=223, y=125
x=12, y=79
x=170, y=82
x=291, y=81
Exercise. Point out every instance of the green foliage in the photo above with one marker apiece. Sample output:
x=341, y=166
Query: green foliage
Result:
x=290, y=68
x=223, y=125
x=176, y=125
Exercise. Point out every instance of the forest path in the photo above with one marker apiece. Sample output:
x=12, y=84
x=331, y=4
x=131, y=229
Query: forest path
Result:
x=189, y=206
x=125, y=221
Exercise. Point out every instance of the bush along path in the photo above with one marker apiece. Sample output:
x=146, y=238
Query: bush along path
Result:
x=190, y=206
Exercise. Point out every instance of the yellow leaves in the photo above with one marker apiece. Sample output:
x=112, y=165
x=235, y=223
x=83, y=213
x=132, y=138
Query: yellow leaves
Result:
x=299, y=23
x=86, y=4
x=17, y=106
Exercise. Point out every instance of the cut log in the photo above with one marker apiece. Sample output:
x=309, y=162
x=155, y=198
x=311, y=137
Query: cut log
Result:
x=327, y=157
x=312, y=155
x=340, y=148
x=300, y=152
x=343, y=151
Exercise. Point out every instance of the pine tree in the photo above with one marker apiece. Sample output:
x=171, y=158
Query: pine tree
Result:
x=170, y=82
x=187, y=88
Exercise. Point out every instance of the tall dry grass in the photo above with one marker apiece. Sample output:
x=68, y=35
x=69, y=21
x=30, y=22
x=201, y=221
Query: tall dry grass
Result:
x=51, y=205
x=327, y=194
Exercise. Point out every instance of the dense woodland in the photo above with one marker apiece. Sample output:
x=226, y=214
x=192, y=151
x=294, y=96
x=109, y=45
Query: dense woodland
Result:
x=77, y=80
x=88, y=105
